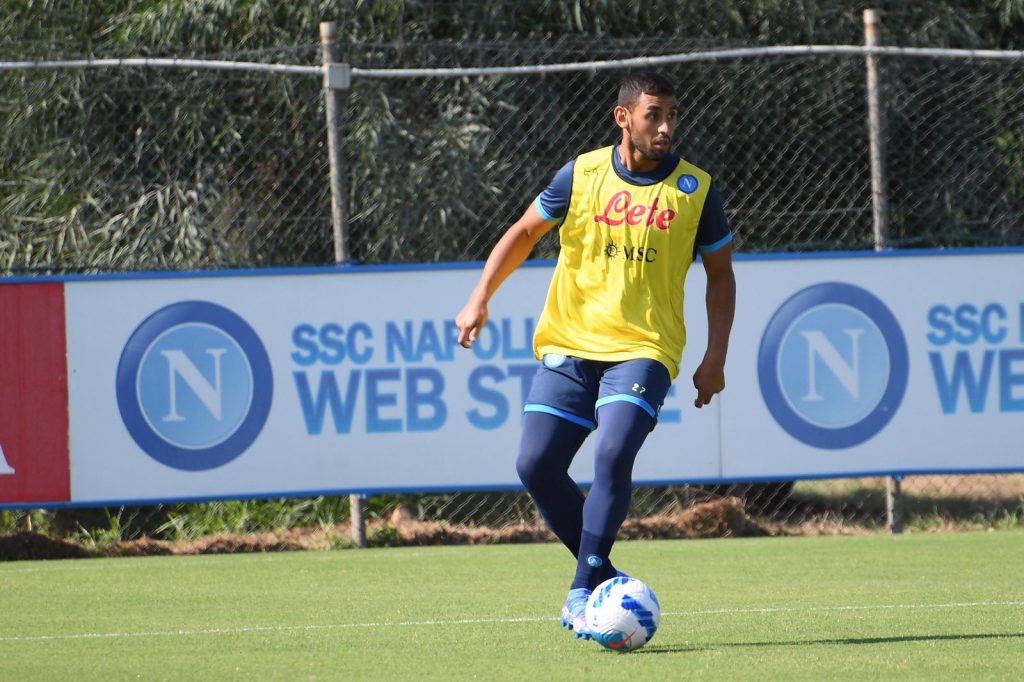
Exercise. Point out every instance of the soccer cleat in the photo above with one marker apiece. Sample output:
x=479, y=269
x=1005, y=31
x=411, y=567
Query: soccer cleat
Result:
x=574, y=612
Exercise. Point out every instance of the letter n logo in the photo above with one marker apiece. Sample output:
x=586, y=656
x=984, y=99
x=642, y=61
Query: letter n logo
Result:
x=833, y=365
x=179, y=366
x=821, y=351
x=194, y=385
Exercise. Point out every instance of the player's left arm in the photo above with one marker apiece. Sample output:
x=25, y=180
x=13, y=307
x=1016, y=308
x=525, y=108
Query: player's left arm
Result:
x=720, y=299
x=714, y=239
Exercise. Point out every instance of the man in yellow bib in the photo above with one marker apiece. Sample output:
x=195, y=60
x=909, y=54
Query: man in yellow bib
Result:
x=631, y=217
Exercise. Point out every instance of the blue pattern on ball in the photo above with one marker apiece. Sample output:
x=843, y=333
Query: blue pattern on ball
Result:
x=643, y=615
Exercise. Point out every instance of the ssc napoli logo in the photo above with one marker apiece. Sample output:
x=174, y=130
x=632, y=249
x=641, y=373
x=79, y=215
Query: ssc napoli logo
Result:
x=687, y=184
x=833, y=365
x=194, y=385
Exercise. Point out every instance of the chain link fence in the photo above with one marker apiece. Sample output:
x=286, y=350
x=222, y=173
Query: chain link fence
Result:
x=113, y=170
x=800, y=508
x=142, y=169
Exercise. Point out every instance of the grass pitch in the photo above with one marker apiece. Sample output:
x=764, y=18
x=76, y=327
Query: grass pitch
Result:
x=918, y=606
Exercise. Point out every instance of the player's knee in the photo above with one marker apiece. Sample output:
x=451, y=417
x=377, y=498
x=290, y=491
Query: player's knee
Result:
x=613, y=457
x=529, y=467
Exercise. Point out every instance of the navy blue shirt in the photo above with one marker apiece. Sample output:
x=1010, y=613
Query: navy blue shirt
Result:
x=712, y=232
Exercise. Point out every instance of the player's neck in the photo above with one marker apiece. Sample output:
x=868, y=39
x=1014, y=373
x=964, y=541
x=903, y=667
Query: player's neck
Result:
x=634, y=161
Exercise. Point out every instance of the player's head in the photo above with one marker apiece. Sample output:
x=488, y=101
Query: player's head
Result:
x=643, y=83
x=647, y=113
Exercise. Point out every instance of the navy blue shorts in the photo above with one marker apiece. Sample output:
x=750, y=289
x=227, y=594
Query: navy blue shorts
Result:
x=573, y=388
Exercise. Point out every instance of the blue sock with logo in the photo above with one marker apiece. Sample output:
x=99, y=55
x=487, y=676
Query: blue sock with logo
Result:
x=593, y=566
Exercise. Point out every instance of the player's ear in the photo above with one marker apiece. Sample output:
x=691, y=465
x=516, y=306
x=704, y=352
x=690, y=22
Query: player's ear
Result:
x=621, y=116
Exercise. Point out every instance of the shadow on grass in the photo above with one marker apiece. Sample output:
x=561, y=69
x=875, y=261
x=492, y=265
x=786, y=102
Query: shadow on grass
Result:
x=671, y=649
x=675, y=649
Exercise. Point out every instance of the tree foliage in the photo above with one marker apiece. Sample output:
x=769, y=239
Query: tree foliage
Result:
x=130, y=169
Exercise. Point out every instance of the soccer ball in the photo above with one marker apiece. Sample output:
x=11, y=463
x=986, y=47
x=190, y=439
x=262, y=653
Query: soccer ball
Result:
x=623, y=614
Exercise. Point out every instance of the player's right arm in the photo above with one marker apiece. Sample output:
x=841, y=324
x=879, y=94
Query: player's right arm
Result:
x=508, y=254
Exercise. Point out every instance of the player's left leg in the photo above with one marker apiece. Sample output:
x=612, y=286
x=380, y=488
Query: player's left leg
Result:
x=622, y=430
x=631, y=395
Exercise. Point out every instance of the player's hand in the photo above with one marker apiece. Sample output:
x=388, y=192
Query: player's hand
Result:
x=470, y=320
x=709, y=379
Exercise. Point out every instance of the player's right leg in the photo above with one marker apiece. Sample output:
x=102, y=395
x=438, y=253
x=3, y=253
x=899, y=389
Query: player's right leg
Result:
x=546, y=449
x=558, y=416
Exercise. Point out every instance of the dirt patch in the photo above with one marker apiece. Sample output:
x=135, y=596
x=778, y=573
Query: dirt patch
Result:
x=290, y=540
x=723, y=517
x=718, y=518
x=28, y=545
x=141, y=547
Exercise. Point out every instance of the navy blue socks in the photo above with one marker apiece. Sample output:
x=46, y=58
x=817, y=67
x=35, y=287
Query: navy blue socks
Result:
x=587, y=526
x=593, y=566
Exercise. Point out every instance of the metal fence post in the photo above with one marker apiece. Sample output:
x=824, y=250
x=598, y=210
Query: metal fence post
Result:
x=336, y=83
x=333, y=104
x=894, y=504
x=880, y=213
x=876, y=131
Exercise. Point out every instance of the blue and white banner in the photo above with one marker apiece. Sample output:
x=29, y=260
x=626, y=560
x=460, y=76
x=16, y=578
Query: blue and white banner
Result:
x=196, y=387
x=303, y=382
x=877, y=364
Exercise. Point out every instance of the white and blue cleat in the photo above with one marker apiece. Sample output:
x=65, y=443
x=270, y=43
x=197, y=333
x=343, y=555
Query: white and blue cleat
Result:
x=574, y=612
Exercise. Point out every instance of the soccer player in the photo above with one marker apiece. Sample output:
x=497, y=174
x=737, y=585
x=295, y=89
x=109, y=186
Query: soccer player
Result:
x=631, y=217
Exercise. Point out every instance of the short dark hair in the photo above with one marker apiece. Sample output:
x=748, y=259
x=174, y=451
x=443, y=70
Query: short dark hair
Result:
x=643, y=83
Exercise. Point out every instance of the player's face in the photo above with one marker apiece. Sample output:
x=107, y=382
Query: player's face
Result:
x=650, y=125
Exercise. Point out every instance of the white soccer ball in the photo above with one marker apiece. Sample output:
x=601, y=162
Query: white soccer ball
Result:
x=623, y=614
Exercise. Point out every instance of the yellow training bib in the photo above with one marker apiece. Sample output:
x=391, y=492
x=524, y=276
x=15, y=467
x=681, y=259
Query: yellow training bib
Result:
x=617, y=291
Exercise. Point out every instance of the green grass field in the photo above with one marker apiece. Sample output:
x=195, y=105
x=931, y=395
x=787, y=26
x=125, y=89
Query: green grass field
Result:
x=918, y=606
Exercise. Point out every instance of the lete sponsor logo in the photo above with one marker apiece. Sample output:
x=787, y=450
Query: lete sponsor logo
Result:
x=194, y=385
x=621, y=209
x=833, y=365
